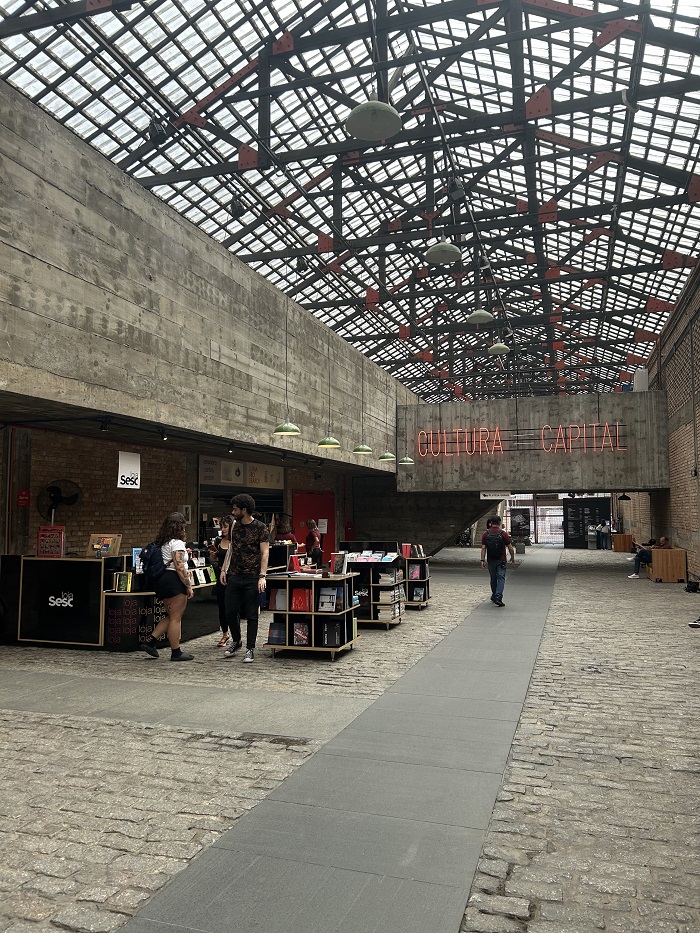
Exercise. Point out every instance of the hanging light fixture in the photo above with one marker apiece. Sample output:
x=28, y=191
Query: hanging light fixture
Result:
x=157, y=132
x=387, y=455
x=443, y=253
x=373, y=120
x=624, y=498
x=287, y=428
x=362, y=448
x=163, y=434
x=406, y=461
x=236, y=208
x=329, y=442
x=480, y=316
x=498, y=348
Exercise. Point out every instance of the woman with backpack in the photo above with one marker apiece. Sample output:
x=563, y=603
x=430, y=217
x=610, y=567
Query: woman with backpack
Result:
x=173, y=587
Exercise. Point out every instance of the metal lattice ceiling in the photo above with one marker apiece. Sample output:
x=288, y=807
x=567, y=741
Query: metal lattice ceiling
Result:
x=573, y=129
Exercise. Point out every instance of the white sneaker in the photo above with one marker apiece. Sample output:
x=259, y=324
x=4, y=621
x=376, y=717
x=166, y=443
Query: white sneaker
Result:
x=249, y=657
x=633, y=576
x=630, y=558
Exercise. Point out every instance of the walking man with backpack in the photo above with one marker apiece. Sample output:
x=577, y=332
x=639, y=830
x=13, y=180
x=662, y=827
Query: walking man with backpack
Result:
x=494, y=543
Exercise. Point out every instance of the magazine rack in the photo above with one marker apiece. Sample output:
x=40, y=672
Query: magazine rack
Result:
x=417, y=581
x=379, y=584
x=310, y=612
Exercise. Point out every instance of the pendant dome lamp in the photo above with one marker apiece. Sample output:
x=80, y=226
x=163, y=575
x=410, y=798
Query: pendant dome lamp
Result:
x=286, y=428
x=443, y=253
x=406, y=461
x=329, y=442
x=498, y=348
x=362, y=449
x=373, y=120
x=387, y=456
x=480, y=316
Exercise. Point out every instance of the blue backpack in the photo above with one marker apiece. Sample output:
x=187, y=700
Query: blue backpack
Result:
x=151, y=558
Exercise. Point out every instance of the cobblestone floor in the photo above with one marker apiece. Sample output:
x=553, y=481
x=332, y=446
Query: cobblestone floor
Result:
x=597, y=823
x=596, y=826
x=97, y=815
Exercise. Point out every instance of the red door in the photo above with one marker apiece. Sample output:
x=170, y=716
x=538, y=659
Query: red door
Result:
x=317, y=505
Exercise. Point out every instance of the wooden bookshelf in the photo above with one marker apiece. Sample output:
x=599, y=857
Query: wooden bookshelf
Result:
x=417, y=581
x=298, y=619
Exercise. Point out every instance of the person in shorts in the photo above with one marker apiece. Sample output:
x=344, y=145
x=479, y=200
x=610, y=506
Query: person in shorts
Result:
x=173, y=587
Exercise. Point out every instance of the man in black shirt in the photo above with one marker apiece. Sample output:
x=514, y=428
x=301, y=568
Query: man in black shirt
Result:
x=243, y=574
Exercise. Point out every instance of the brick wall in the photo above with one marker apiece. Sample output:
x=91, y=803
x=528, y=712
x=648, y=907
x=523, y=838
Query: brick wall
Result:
x=135, y=514
x=675, y=366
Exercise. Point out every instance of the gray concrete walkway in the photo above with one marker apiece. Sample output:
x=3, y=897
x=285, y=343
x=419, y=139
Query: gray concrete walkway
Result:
x=382, y=829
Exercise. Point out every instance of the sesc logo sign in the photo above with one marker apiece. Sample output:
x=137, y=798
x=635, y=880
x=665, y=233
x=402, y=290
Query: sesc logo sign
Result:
x=129, y=472
x=64, y=601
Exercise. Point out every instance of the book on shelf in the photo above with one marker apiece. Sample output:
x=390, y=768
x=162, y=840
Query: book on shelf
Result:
x=418, y=594
x=278, y=599
x=122, y=582
x=414, y=571
x=327, y=599
x=332, y=635
x=294, y=563
x=390, y=556
x=301, y=599
x=200, y=575
x=421, y=552
x=389, y=577
x=211, y=573
x=301, y=633
x=352, y=556
x=340, y=599
x=366, y=553
x=405, y=550
x=376, y=555
x=277, y=633
x=339, y=562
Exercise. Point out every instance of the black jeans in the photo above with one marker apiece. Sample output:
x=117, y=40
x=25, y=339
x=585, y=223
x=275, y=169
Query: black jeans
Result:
x=220, y=592
x=242, y=600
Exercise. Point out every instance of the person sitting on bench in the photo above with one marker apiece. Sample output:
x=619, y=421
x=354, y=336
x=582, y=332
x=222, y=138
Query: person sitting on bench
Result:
x=644, y=555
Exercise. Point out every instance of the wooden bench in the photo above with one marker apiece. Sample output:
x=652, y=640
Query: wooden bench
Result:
x=668, y=566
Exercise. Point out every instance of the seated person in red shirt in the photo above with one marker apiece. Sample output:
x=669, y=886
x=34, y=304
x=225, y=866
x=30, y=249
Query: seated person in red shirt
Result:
x=644, y=555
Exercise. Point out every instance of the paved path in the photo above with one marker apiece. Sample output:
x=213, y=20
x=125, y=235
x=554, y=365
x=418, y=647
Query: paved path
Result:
x=596, y=822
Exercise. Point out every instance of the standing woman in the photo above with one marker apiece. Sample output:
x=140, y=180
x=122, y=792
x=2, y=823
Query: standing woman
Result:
x=173, y=587
x=217, y=552
x=313, y=543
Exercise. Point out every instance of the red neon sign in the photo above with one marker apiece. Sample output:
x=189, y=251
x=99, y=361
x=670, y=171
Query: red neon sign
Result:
x=590, y=437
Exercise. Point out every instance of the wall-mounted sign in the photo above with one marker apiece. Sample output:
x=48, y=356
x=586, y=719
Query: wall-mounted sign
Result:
x=129, y=473
x=23, y=498
x=216, y=472
x=592, y=437
x=264, y=476
x=494, y=495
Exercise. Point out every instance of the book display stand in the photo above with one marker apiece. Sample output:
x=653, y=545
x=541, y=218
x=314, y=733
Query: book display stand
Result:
x=311, y=612
x=380, y=579
x=417, y=580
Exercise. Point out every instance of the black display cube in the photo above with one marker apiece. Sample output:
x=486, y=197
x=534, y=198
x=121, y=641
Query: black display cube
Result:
x=61, y=601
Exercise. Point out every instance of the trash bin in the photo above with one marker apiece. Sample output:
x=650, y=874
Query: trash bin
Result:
x=592, y=538
x=520, y=547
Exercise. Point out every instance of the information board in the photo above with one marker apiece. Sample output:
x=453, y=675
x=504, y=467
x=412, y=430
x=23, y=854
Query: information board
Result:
x=579, y=514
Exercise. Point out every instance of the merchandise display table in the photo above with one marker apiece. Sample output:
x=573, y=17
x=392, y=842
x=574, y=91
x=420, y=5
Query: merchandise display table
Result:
x=311, y=612
x=69, y=602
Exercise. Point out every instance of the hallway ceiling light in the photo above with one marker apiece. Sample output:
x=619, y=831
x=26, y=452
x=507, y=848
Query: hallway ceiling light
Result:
x=373, y=120
x=386, y=456
x=443, y=253
x=362, y=449
x=499, y=349
x=406, y=461
x=624, y=498
x=287, y=429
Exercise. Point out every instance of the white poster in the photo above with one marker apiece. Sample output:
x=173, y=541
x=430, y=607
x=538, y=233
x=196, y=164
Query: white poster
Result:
x=264, y=476
x=214, y=471
x=129, y=475
x=322, y=526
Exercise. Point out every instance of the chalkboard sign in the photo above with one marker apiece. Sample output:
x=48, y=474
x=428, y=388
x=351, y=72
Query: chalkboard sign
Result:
x=578, y=515
x=129, y=618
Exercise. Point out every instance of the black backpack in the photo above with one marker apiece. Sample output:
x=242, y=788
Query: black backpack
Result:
x=494, y=545
x=152, y=562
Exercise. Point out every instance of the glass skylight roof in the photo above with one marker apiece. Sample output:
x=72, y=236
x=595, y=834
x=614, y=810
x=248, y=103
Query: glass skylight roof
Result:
x=573, y=129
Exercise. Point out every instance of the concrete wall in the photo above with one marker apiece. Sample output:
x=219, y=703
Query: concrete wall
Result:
x=517, y=445
x=432, y=519
x=111, y=301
